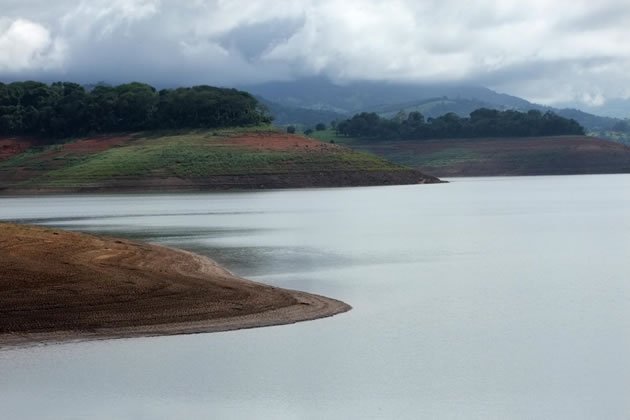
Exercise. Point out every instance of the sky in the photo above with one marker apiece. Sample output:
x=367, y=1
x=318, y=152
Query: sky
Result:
x=550, y=52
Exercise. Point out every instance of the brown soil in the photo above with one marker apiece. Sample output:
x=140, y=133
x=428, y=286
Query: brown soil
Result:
x=507, y=156
x=323, y=179
x=95, y=144
x=278, y=141
x=12, y=146
x=57, y=285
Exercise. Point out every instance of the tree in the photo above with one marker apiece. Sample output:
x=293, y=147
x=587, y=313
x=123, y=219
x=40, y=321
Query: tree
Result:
x=67, y=109
x=482, y=122
x=291, y=129
x=623, y=126
x=320, y=127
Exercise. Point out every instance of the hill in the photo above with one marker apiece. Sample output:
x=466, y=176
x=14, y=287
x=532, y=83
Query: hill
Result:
x=197, y=160
x=284, y=115
x=559, y=155
x=321, y=93
x=386, y=98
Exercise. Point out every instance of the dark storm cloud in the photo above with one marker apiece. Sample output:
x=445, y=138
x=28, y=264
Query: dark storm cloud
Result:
x=546, y=51
x=253, y=40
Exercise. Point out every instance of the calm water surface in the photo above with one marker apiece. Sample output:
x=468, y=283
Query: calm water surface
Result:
x=503, y=298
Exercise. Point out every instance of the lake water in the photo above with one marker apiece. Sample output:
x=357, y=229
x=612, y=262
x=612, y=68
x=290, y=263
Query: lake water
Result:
x=488, y=298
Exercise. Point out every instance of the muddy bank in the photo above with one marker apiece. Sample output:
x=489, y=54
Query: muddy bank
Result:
x=57, y=286
x=239, y=182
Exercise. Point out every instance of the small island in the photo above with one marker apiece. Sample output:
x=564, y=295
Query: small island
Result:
x=58, y=286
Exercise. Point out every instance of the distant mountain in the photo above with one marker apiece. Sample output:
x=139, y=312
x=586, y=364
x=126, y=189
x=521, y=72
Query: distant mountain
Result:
x=320, y=93
x=616, y=108
x=386, y=98
x=290, y=115
x=589, y=121
x=435, y=107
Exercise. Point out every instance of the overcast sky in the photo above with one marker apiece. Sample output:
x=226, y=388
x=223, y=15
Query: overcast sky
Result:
x=548, y=51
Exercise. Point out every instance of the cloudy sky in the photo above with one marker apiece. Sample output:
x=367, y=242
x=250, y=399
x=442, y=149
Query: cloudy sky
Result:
x=547, y=51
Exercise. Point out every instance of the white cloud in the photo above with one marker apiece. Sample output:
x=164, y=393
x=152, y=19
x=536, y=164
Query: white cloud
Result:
x=102, y=18
x=26, y=45
x=549, y=51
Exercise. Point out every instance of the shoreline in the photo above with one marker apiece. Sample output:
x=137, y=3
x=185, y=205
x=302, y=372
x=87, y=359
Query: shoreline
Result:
x=83, y=287
x=228, y=183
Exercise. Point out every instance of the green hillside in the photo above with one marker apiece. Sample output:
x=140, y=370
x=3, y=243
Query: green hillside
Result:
x=218, y=159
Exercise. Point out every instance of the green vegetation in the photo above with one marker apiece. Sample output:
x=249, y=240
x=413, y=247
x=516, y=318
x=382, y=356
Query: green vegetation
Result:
x=481, y=123
x=178, y=157
x=617, y=136
x=68, y=110
x=620, y=132
x=331, y=136
x=184, y=155
x=441, y=158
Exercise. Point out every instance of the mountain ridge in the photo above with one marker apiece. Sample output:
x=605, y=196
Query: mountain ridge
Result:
x=320, y=94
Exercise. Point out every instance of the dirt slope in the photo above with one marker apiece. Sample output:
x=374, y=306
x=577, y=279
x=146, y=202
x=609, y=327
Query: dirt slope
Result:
x=505, y=156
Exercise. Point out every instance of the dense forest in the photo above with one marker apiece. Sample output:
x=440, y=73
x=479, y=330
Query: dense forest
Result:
x=68, y=109
x=481, y=123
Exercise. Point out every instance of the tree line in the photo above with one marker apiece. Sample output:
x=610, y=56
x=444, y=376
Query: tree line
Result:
x=65, y=109
x=481, y=123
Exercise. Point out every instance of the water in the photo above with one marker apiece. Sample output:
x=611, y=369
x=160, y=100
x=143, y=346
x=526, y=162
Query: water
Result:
x=502, y=298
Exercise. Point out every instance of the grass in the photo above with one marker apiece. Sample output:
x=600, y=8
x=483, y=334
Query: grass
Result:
x=29, y=159
x=186, y=154
x=325, y=135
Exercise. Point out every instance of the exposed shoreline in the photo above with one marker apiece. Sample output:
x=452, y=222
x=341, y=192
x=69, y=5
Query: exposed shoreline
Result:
x=223, y=183
x=58, y=286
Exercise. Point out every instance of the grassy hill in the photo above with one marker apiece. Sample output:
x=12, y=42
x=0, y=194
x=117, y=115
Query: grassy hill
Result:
x=219, y=159
x=499, y=156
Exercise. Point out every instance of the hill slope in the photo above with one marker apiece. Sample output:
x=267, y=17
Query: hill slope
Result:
x=504, y=156
x=284, y=115
x=388, y=98
x=224, y=159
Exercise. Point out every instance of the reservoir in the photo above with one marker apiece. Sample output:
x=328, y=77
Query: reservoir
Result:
x=484, y=298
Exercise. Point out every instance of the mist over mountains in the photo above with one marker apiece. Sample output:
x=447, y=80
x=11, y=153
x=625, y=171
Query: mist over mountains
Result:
x=304, y=101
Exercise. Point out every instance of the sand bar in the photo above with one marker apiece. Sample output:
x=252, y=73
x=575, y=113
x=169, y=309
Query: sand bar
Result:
x=57, y=286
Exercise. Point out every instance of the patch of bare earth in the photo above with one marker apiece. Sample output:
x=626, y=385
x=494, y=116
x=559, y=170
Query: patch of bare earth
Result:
x=58, y=285
x=510, y=156
x=54, y=157
x=95, y=144
x=279, y=142
x=11, y=146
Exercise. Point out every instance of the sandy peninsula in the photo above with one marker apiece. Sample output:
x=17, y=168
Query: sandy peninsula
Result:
x=57, y=286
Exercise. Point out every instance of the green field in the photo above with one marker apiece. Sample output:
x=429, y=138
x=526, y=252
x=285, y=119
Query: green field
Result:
x=184, y=155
